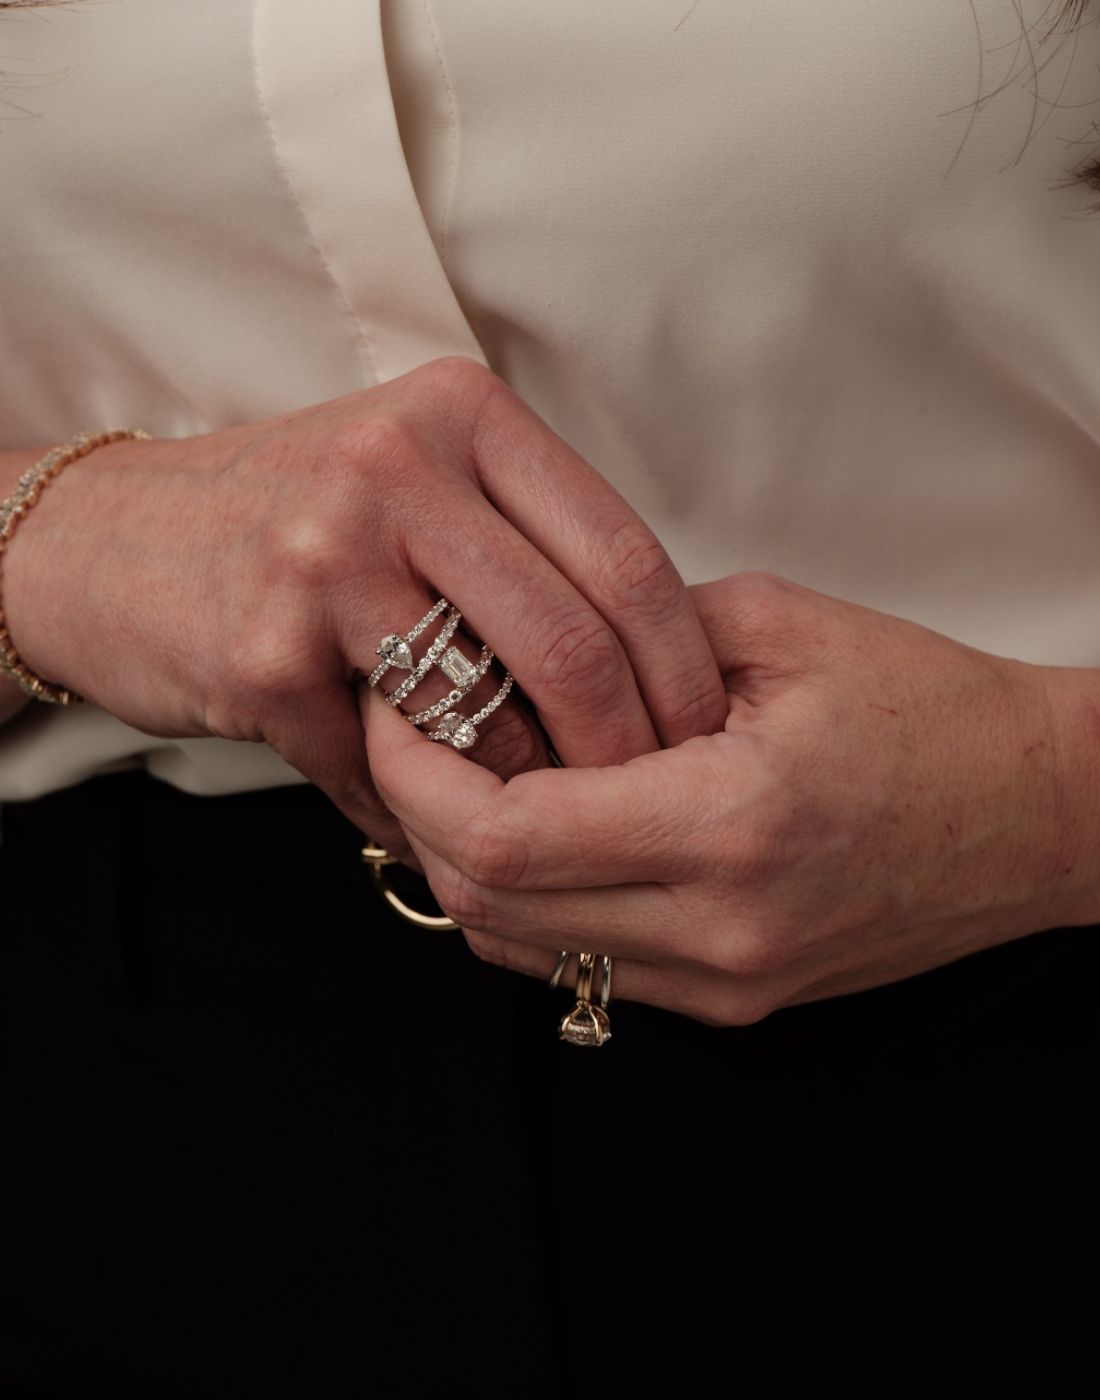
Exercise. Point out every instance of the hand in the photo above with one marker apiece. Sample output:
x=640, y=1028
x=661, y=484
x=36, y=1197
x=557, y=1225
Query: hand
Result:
x=879, y=801
x=232, y=584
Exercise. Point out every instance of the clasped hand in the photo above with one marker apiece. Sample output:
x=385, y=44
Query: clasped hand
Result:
x=770, y=796
x=880, y=800
x=234, y=583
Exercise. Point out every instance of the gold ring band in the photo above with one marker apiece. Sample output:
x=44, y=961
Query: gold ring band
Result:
x=378, y=859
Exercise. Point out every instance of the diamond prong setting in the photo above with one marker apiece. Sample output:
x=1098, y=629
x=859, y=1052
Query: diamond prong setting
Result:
x=396, y=651
x=455, y=730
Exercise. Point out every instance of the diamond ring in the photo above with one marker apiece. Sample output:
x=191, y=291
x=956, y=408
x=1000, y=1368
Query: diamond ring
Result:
x=586, y=1024
x=460, y=731
x=427, y=661
x=465, y=676
x=395, y=649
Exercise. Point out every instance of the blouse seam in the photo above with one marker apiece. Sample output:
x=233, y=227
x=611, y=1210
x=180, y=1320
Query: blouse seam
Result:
x=311, y=238
x=452, y=133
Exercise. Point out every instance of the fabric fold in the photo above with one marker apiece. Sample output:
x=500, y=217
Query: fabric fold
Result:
x=323, y=85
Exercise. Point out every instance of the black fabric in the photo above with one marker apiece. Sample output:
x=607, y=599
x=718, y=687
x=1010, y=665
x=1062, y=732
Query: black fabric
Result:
x=262, y=1137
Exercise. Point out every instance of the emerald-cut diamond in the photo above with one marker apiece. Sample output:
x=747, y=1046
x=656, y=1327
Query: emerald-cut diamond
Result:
x=455, y=666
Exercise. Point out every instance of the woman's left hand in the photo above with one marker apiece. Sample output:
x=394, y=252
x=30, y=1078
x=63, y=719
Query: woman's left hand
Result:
x=882, y=800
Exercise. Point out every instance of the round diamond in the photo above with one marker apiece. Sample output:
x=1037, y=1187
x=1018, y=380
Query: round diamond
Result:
x=585, y=1025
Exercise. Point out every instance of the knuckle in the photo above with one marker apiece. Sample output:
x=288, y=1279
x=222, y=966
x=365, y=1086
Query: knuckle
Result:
x=754, y=952
x=457, y=391
x=384, y=448
x=728, y=1011
x=759, y=598
x=491, y=858
x=584, y=663
x=486, y=949
x=305, y=552
x=461, y=899
x=697, y=713
x=459, y=372
x=638, y=575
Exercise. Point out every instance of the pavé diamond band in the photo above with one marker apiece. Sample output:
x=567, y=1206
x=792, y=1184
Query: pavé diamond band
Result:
x=465, y=676
x=395, y=649
x=460, y=731
x=428, y=660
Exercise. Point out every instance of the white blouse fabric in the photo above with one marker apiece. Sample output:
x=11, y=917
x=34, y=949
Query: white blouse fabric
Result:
x=808, y=285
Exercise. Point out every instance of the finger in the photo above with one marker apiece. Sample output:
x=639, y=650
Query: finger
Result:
x=646, y=820
x=584, y=526
x=756, y=619
x=515, y=743
x=321, y=735
x=564, y=654
x=648, y=922
x=437, y=523
x=714, y=1000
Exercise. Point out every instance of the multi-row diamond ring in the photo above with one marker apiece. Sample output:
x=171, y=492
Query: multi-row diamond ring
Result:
x=395, y=649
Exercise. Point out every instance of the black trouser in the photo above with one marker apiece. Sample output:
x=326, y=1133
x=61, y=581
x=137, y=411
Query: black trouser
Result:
x=261, y=1136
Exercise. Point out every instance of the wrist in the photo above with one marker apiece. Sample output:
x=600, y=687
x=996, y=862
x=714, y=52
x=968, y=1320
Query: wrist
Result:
x=13, y=697
x=1071, y=854
x=14, y=508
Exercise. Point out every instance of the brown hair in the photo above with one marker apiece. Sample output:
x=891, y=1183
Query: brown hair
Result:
x=1087, y=171
x=1071, y=15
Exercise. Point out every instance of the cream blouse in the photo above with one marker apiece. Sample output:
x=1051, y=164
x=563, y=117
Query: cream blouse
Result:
x=805, y=283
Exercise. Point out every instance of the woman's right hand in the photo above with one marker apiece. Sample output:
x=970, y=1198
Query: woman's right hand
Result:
x=233, y=584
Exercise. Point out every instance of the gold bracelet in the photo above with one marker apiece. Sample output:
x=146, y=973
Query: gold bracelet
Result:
x=27, y=491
